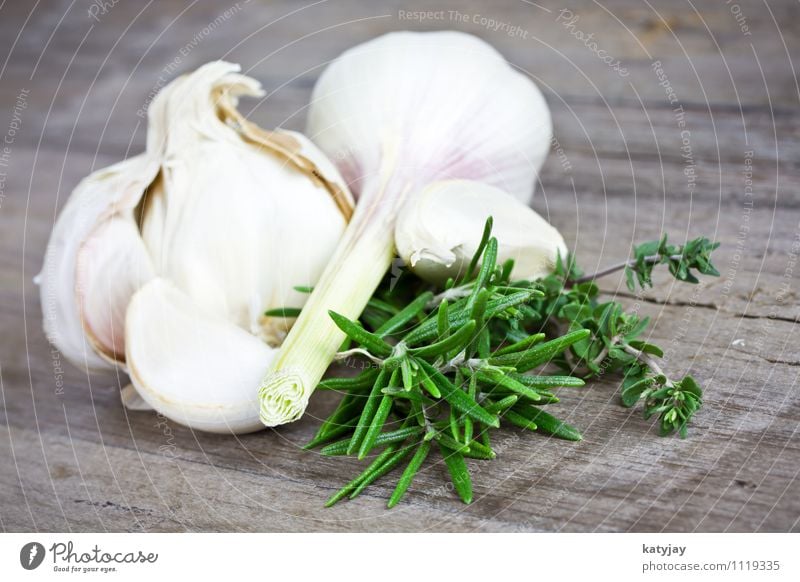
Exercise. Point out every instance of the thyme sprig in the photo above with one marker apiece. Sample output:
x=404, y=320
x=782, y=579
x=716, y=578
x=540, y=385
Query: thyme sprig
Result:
x=445, y=367
x=572, y=301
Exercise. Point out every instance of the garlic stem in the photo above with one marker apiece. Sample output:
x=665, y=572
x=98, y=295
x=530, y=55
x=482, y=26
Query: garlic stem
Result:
x=357, y=267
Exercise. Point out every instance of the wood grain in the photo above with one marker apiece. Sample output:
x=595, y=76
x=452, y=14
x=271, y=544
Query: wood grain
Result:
x=75, y=460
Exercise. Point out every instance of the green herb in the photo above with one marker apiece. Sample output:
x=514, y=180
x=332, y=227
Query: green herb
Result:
x=451, y=365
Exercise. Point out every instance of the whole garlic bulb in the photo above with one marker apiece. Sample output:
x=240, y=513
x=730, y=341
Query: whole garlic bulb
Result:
x=397, y=113
x=439, y=230
x=164, y=264
x=415, y=107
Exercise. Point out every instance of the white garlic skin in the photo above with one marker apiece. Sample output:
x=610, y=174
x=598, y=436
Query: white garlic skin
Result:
x=415, y=107
x=439, y=230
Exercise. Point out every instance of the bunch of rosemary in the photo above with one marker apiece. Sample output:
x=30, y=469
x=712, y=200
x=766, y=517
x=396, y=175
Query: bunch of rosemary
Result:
x=447, y=366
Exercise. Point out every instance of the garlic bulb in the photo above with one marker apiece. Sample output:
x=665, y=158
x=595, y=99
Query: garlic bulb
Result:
x=396, y=114
x=439, y=230
x=164, y=264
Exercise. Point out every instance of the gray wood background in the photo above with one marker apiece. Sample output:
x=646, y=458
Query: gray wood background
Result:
x=74, y=459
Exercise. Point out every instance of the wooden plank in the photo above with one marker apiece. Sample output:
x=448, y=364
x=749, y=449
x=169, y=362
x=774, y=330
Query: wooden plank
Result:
x=739, y=461
x=750, y=400
x=80, y=462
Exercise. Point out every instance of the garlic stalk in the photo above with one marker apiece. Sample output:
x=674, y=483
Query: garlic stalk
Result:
x=396, y=114
x=438, y=232
x=163, y=265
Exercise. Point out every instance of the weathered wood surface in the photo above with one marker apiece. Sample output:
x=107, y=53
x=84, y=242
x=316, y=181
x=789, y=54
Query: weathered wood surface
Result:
x=74, y=459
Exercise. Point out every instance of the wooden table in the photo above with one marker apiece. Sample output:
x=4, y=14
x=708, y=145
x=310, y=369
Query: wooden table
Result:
x=74, y=459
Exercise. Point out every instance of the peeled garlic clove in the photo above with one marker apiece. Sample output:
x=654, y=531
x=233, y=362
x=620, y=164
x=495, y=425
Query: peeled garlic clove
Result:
x=438, y=231
x=194, y=368
x=112, y=264
x=237, y=230
x=99, y=198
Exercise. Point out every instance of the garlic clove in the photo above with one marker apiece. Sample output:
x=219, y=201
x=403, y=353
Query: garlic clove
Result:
x=237, y=231
x=99, y=197
x=112, y=265
x=438, y=231
x=194, y=368
x=239, y=216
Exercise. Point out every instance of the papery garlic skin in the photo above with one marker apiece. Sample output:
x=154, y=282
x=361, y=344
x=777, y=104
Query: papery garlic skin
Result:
x=92, y=338
x=164, y=264
x=395, y=114
x=431, y=106
x=439, y=230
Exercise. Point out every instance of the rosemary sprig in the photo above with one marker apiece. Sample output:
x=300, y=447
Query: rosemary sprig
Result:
x=442, y=369
x=451, y=365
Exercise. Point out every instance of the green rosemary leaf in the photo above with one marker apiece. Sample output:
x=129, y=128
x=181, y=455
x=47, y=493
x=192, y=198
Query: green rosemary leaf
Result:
x=454, y=424
x=380, y=305
x=406, y=374
x=468, y=424
x=459, y=473
x=451, y=443
x=370, y=408
x=479, y=305
x=494, y=378
x=505, y=271
x=487, y=232
x=389, y=464
x=442, y=320
x=332, y=433
x=361, y=336
x=479, y=450
x=502, y=404
x=364, y=380
x=453, y=342
x=340, y=448
x=458, y=317
x=486, y=440
x=541, y=354
x=283, y=312
x=518, y=420
x=548, y=381
x=373, y=467
x=376, y=426
x=520, y=345
x=429, y=384
x=405, y=315
x=458, y=398
x=348, y=408
x=408, y=475
x=404, y=394
x=546, y=422
x=488, y=264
